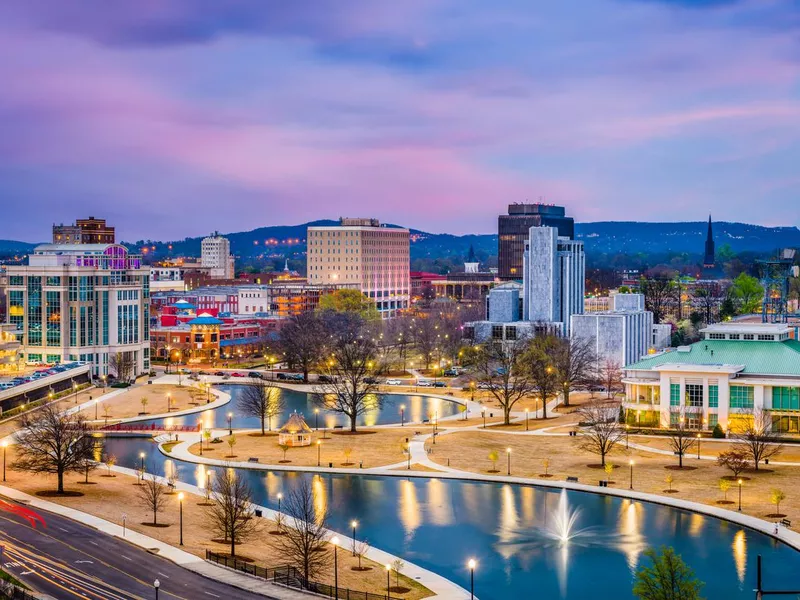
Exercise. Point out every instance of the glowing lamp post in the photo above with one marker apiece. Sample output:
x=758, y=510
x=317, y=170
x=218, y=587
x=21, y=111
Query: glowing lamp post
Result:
x=740, y=495
x=508, y=454
x=335, y=542
x=402, y=414
x=319, y=451
x=472, y=564
x=180, y=505
x=230, y=423
x=354, y=524
x=631, y=465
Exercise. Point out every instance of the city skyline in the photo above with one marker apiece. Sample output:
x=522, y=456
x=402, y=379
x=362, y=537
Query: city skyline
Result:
x=430, y=114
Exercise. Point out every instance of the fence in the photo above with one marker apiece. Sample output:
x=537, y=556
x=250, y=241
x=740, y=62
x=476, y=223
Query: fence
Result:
x=292, y=577
x=9, y=591
x=151, y=427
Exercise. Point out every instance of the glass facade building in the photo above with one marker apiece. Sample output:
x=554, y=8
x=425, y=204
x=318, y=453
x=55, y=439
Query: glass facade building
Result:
x=513, y=229
x=83, y=302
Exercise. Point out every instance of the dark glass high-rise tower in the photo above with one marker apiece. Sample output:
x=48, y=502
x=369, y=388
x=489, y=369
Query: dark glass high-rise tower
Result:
x=513, y=229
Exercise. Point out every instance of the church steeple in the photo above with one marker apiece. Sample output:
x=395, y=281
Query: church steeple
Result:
x=709, y=261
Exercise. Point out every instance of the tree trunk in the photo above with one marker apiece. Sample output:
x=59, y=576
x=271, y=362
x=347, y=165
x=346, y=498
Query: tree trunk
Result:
x=233, y=543
x=352, y=424
x=262, y=425
x=507, y=414
x=544, y=408
x=680, y=460
x=305, y=374
x=155, y=517
x=60, y=481
x=566, y=395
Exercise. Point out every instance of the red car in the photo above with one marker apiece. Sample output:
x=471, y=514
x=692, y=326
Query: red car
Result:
x=237, y=374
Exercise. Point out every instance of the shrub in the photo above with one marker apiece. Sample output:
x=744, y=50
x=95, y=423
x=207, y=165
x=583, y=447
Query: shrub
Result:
x=718, y=432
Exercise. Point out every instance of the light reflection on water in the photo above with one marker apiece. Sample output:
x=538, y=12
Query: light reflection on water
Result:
x=416, y=409
x=438, y=524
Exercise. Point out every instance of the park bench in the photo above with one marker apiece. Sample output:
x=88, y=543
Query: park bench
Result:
x=572, y=479
x=786, y=522
x=338, y=426
x=253, y=459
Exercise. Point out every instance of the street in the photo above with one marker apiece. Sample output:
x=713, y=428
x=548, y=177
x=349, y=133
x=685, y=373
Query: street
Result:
x=69, y=560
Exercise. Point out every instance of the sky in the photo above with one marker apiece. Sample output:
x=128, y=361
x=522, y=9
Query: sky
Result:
x=173, y=118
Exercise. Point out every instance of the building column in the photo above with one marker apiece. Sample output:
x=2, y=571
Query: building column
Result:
x=724, y=403
x=665, y=406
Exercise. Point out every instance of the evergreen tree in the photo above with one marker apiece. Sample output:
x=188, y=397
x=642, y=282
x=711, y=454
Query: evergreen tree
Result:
x=668, y=578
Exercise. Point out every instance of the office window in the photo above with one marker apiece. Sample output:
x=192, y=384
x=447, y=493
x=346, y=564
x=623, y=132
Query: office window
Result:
x=674, y=394
x=741, y=396
x=713, y=396
x=694, y=394
x=785, y=398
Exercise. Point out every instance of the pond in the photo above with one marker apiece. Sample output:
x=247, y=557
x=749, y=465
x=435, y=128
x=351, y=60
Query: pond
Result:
x=514, y=532
x=416, y=408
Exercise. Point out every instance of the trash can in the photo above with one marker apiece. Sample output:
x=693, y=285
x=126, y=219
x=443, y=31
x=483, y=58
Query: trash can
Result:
x=330, y=465
x=259, y=512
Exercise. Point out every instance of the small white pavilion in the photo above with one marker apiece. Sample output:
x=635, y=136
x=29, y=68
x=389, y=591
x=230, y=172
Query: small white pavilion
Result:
x=295, y=432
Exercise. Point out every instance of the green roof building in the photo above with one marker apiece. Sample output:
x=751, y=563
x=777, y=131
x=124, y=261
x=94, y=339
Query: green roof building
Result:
x=737, y=372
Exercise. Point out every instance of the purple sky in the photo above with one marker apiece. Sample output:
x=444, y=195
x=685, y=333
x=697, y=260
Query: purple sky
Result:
x=175, y=117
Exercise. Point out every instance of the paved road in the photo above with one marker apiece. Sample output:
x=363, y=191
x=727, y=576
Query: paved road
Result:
x=69, y=560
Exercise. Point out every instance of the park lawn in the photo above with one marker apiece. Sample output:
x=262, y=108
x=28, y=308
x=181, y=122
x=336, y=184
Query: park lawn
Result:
x=129, y=403
x=110, y=497
x=712, y=448
x=374, y=447
x=469, y=451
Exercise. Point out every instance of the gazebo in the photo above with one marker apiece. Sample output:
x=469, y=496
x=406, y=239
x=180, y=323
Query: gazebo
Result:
x=295, y=432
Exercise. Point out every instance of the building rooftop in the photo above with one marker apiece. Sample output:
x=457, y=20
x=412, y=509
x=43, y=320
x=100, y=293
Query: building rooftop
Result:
x=756, y=358
x=736, y=327
x=295, y=424
x=70, y=248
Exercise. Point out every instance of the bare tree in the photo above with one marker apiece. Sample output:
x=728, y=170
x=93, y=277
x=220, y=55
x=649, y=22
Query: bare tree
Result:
x=231, y=512
x=735, y=459
x=501, y=366
x=263, y=400
x=399, y=335
x=611, y=376
x=123, y=365
x=351, y=387
x=305, y=534
x=540, y=365
x=758, y=438
x=602, y=430
x=50, y=441
x=426, y=337
x=361, y=549
x=574, y=360
x=152, y=494
x=659, y=294
x=680, y=439
x=303, y=341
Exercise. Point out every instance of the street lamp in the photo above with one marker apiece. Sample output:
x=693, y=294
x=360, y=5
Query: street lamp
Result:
x=354, y=524
x=526, y=419
x=627, y=431
x=483, y=414
x=96, y=402
x=740, y=495
x=319, y=450
x=156, y=585
x=180, y=504
x=472, y=564
x=5, y=445
x=508, y=454
x=402, y=414
x=335, y=542
x=280, y=497
x=75, y=391
x=698, y=446
x=141, y=456
x=388, y=583
x=631, y=464
x=230, y=423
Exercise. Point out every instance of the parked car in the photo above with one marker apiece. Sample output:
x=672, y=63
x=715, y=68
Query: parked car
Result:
x=282, y=376
x=424, y=383
x=371, y=380
x=439, y=384
x=296, y=377
x=237, y=374
x=325, y=379
x=393, y=382
x=220, y=374
x=451, y=373
x=255, y=375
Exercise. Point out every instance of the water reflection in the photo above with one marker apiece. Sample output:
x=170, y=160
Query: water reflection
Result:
x=416, y=409
x=439, y=523
x=740, y=554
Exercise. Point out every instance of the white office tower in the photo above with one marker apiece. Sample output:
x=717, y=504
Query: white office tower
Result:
x=554, y=270
x=215, y=255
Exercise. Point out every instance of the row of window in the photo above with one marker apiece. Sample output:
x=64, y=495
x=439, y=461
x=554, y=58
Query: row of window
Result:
x=741, y=396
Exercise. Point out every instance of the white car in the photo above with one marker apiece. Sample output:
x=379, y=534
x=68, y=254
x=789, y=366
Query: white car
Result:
x=393, y=382
x=424, y=383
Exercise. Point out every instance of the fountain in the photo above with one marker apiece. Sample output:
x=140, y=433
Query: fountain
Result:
x=562, y=525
